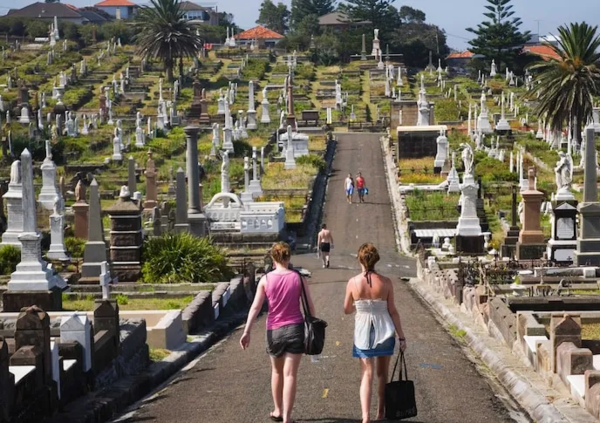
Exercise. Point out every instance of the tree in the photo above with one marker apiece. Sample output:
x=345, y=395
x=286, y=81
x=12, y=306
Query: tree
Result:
x=410, y=15
x=163, y=33
x=274, y=17
x=303, y=8
x=380, y=13
x=567, y=85
x=500, y=38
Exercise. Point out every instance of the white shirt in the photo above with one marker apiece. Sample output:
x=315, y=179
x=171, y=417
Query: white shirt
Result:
x=349, y=183
x=372, y=314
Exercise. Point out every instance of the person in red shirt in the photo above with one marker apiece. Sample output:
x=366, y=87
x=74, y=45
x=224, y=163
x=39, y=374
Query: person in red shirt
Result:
x=360, y=187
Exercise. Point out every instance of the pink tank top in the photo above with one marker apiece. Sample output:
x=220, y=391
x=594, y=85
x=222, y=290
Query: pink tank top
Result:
x=283, y=292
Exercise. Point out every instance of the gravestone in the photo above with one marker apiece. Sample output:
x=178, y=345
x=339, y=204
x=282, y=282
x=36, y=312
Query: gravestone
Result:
x=290, y=160
x=469, y=237
x=531, y=243
x=442, y=153
x=95, y=248
x=588, y=242
x=246, y=196
x=7, y=383
x=131, y=175
x=77, y=328
x=453, y=179
x=126, y=237
x=57, y=249
x=80, y=211
x=251, y=113
x=49, y=190
x=564, y=328
x=265, y=117
x=32, y=282
x=512, y=235
x=255, y=186
x=151, y=188
x=14, y=207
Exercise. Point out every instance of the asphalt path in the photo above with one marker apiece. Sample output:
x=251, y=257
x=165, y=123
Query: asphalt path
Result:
x=228, y=384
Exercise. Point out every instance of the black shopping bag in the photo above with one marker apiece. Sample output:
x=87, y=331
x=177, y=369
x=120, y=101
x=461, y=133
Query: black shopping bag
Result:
x=400, y=395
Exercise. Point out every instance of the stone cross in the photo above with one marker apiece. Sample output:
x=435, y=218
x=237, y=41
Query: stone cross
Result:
x=105, y=280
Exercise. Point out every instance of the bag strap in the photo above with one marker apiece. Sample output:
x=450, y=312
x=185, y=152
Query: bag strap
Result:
x=403, y=363
x=307, y=315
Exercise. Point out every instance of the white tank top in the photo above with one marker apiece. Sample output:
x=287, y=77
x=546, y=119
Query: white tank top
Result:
x=372, y=314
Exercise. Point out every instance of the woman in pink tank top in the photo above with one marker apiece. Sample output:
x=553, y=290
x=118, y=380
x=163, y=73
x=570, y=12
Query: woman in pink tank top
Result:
x=285, y=328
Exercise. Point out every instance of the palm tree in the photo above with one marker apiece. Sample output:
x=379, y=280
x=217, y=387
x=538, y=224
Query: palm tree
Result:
x=163, y=33
x=566, y=85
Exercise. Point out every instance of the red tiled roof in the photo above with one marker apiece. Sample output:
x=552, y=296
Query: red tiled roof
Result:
x=71, y=6
x=258, y=32
x=543, y=51
x=108, y=3
x=462, y=55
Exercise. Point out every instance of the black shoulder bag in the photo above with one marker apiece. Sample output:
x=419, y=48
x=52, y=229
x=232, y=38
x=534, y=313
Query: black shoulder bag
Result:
x=400, y=400
x=314, y=328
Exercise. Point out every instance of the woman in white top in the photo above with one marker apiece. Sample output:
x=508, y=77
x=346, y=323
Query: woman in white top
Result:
x=377, y=324
x=349, y=187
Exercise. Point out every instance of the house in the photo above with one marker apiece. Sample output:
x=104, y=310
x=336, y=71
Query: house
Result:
x=543, y=51
x=459, y=60
x=264, y=37
x=338, y=22
x=197, y=14
x=47, y=11
x=118, y=9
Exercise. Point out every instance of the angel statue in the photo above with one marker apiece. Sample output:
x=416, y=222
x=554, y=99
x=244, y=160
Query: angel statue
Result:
x=467, y=157
x=563, y=171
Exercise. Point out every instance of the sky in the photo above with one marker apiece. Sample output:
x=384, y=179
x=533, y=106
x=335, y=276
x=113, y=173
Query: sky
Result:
x=451, y=15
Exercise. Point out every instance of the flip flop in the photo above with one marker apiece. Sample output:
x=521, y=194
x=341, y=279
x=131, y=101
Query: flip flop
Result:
x=275, y=418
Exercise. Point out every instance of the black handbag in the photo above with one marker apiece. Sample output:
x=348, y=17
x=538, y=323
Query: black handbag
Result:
x=314, y=328
x=400, y=400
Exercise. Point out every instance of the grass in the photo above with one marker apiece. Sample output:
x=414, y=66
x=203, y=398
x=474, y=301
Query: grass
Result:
x=158, y=354
x=432, y=206
x=276, y=177
x=87, y=304
x=457, y=333
x=414, y=165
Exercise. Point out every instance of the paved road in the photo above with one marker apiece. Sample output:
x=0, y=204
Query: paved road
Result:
x=231, y=385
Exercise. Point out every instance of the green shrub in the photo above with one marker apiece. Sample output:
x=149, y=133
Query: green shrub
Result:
x=10, y=256
x=75, y=246
x=122, y=299
x=313, y=160
x=176, y=258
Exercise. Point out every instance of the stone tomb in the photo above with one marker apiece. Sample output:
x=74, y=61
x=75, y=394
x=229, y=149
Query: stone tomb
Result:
x=531, y=243
x=299, y=142
x=563, y=243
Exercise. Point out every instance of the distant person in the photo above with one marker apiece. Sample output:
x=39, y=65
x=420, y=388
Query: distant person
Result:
x=376, y=326
x=285, y=328
x=361, y=188
x=349, y=187
x=325, y=244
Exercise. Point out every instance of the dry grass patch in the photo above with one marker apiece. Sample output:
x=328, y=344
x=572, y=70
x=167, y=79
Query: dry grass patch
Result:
x=276, y=177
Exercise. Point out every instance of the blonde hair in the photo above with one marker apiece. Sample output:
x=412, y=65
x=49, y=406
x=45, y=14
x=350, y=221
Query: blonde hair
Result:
x=280, y=252
x=368, y=256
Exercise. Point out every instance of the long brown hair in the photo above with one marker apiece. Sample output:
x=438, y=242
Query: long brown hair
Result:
x=368, y=256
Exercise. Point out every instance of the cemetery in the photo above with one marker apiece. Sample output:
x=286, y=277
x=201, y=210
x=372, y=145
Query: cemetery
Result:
x=139, y=201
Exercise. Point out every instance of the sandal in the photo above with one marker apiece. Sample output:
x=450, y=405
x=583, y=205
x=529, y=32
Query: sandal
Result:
x=275, y=418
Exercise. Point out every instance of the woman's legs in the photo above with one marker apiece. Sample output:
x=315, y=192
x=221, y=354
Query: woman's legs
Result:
x=277, y=364
x=366, y=380
x=383, y=364
x=290, y=371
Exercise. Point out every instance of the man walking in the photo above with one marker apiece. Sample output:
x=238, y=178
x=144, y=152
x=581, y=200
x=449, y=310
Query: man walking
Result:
x=349, y=188
x=360, y=187
x=325, y=244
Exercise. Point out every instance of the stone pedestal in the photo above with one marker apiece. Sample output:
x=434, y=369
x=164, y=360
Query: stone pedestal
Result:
x=95, y=249
x=126, y=238
x=251, y=122
x=181, y=215
x=563, y=243
x=531, y=243
x=14, y=207
x=57, y=249
x=483, y=123
x=265, y=117
x=469, y=238
x=151, y=190
x=14, y=301
x=49, y=190
x=441, y=155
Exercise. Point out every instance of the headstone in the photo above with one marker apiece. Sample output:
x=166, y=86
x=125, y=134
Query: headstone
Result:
x=32, y=275
x=588, y=242
x=442, y=152
x=57, y=249
x=290, y=160
x=251, y=113
x=14, y=207
x=131, y=175
x=531, y=243
x=77, y=328
x=469, y=237
x=95, y=248
x=483, y=122
x=80, y=211
x=255, y=186
x=49, y=190
x=453, y=179
x=265, y=117
x=225, y=185
x=503, y=126
x=423, y=106
x=126, y=237
x=117, y=156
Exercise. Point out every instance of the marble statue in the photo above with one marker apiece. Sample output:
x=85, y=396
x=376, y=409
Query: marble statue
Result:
x=467, y=157
x=563, y=171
